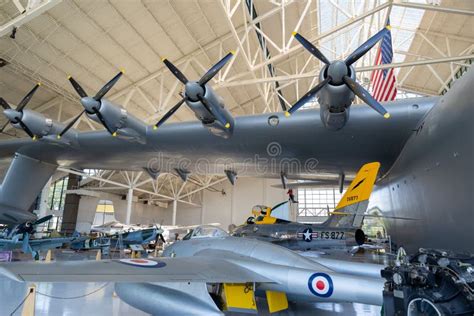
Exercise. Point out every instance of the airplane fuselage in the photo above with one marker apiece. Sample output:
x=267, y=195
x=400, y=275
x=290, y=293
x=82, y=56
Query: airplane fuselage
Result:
x=297, y=236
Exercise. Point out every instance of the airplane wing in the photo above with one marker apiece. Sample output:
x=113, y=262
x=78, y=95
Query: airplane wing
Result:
x=47, y=243
x=301, y=137
x=261, y=145
x=190, y=269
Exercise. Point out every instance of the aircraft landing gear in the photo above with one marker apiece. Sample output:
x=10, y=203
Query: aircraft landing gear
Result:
x=432, y=282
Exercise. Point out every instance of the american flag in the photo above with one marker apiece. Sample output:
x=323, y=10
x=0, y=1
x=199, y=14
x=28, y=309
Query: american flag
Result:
x=383, y=80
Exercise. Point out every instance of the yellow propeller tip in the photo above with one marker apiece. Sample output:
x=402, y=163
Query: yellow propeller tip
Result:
x=294, y=33
x=122, y=70
x=39, y=83
x=388, y=27
x=69, y=77
x=155, y=127
x=386, y=115
x=58, y=136
x=163, y=59
x=114, y=134
x=232, y=52
x=227, y=125
x=287, y=114
x=34, y=138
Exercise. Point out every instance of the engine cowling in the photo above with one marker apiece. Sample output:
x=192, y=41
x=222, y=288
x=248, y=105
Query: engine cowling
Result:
x=38, y=124
x=119, y=120
x=208, y=120
x=335, y=100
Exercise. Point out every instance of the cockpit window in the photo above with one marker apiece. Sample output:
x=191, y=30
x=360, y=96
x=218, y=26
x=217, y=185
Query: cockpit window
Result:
x=260, y=218
x=208, y=232
x=188, y=235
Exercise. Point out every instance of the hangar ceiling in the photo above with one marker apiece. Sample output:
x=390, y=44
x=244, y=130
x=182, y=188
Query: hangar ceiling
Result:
x=92, y=40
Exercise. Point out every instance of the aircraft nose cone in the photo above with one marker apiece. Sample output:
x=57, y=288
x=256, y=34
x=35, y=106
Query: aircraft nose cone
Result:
x=12, y=115
x=337, y=70
x=89, y=104
x=193, y=89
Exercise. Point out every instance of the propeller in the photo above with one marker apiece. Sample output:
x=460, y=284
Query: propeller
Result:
x=15, y=116
x=92, y=104
x=29, y=227
x=338, y=72
x=195, y=90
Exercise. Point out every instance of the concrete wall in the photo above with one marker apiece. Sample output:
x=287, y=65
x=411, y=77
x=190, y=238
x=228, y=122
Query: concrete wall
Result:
x=232, y=208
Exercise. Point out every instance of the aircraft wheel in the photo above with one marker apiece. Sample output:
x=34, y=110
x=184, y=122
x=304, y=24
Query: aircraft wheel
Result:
x=421, y=305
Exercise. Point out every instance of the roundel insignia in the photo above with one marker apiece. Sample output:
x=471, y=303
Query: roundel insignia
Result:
x=320, y=284
x=308, y=234
x=145, y=263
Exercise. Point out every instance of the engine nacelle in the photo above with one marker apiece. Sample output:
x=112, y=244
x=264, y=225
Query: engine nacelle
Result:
x=38, y=124
x=120, y=121
x=216, y=103
x=335, y=101
x=168, y=298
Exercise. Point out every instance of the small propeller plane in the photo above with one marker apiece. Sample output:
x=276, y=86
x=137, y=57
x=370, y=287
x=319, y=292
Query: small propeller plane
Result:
x=125, y=238
x=19, y=238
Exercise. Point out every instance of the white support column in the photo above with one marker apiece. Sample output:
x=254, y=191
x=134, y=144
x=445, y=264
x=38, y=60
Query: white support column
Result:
x=175, y=209
x=43, y=207
x=129, y=205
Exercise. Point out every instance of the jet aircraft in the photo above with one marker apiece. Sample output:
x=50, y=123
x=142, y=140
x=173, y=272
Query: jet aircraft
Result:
x=232, y=267
x=340, y=230
x=425, y=151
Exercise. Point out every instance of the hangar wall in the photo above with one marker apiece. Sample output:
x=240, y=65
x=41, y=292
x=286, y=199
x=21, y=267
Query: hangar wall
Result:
x=236, y=205
x=233, y=207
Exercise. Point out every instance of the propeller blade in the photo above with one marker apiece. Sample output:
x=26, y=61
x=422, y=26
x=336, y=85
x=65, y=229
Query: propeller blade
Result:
x=106, y=88
x=365, y=95
x=43, y=219
x=215, y=69
x=27, y=98
x=77, y=87
x=71, y=123
x=178, y=74
x=102, y=120
x=364, y=48
x=162, y=238
x=168, y=114
x=4, y=126
x=311, y=48
x=5, y=104
x=308, y=96
x=216, y=114
x=27, y=130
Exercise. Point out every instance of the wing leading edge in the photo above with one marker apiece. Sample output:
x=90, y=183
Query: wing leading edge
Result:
x=185, y=269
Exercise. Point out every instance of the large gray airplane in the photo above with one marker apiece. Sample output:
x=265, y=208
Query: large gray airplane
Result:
x=425, y=149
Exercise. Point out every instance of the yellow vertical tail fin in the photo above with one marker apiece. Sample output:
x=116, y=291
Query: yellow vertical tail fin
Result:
x=349, y=210
x=361, y=187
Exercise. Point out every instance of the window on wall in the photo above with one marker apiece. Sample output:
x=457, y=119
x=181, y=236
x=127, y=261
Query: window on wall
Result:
x=104, y=212
x=57, y=194
x=314, y=202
